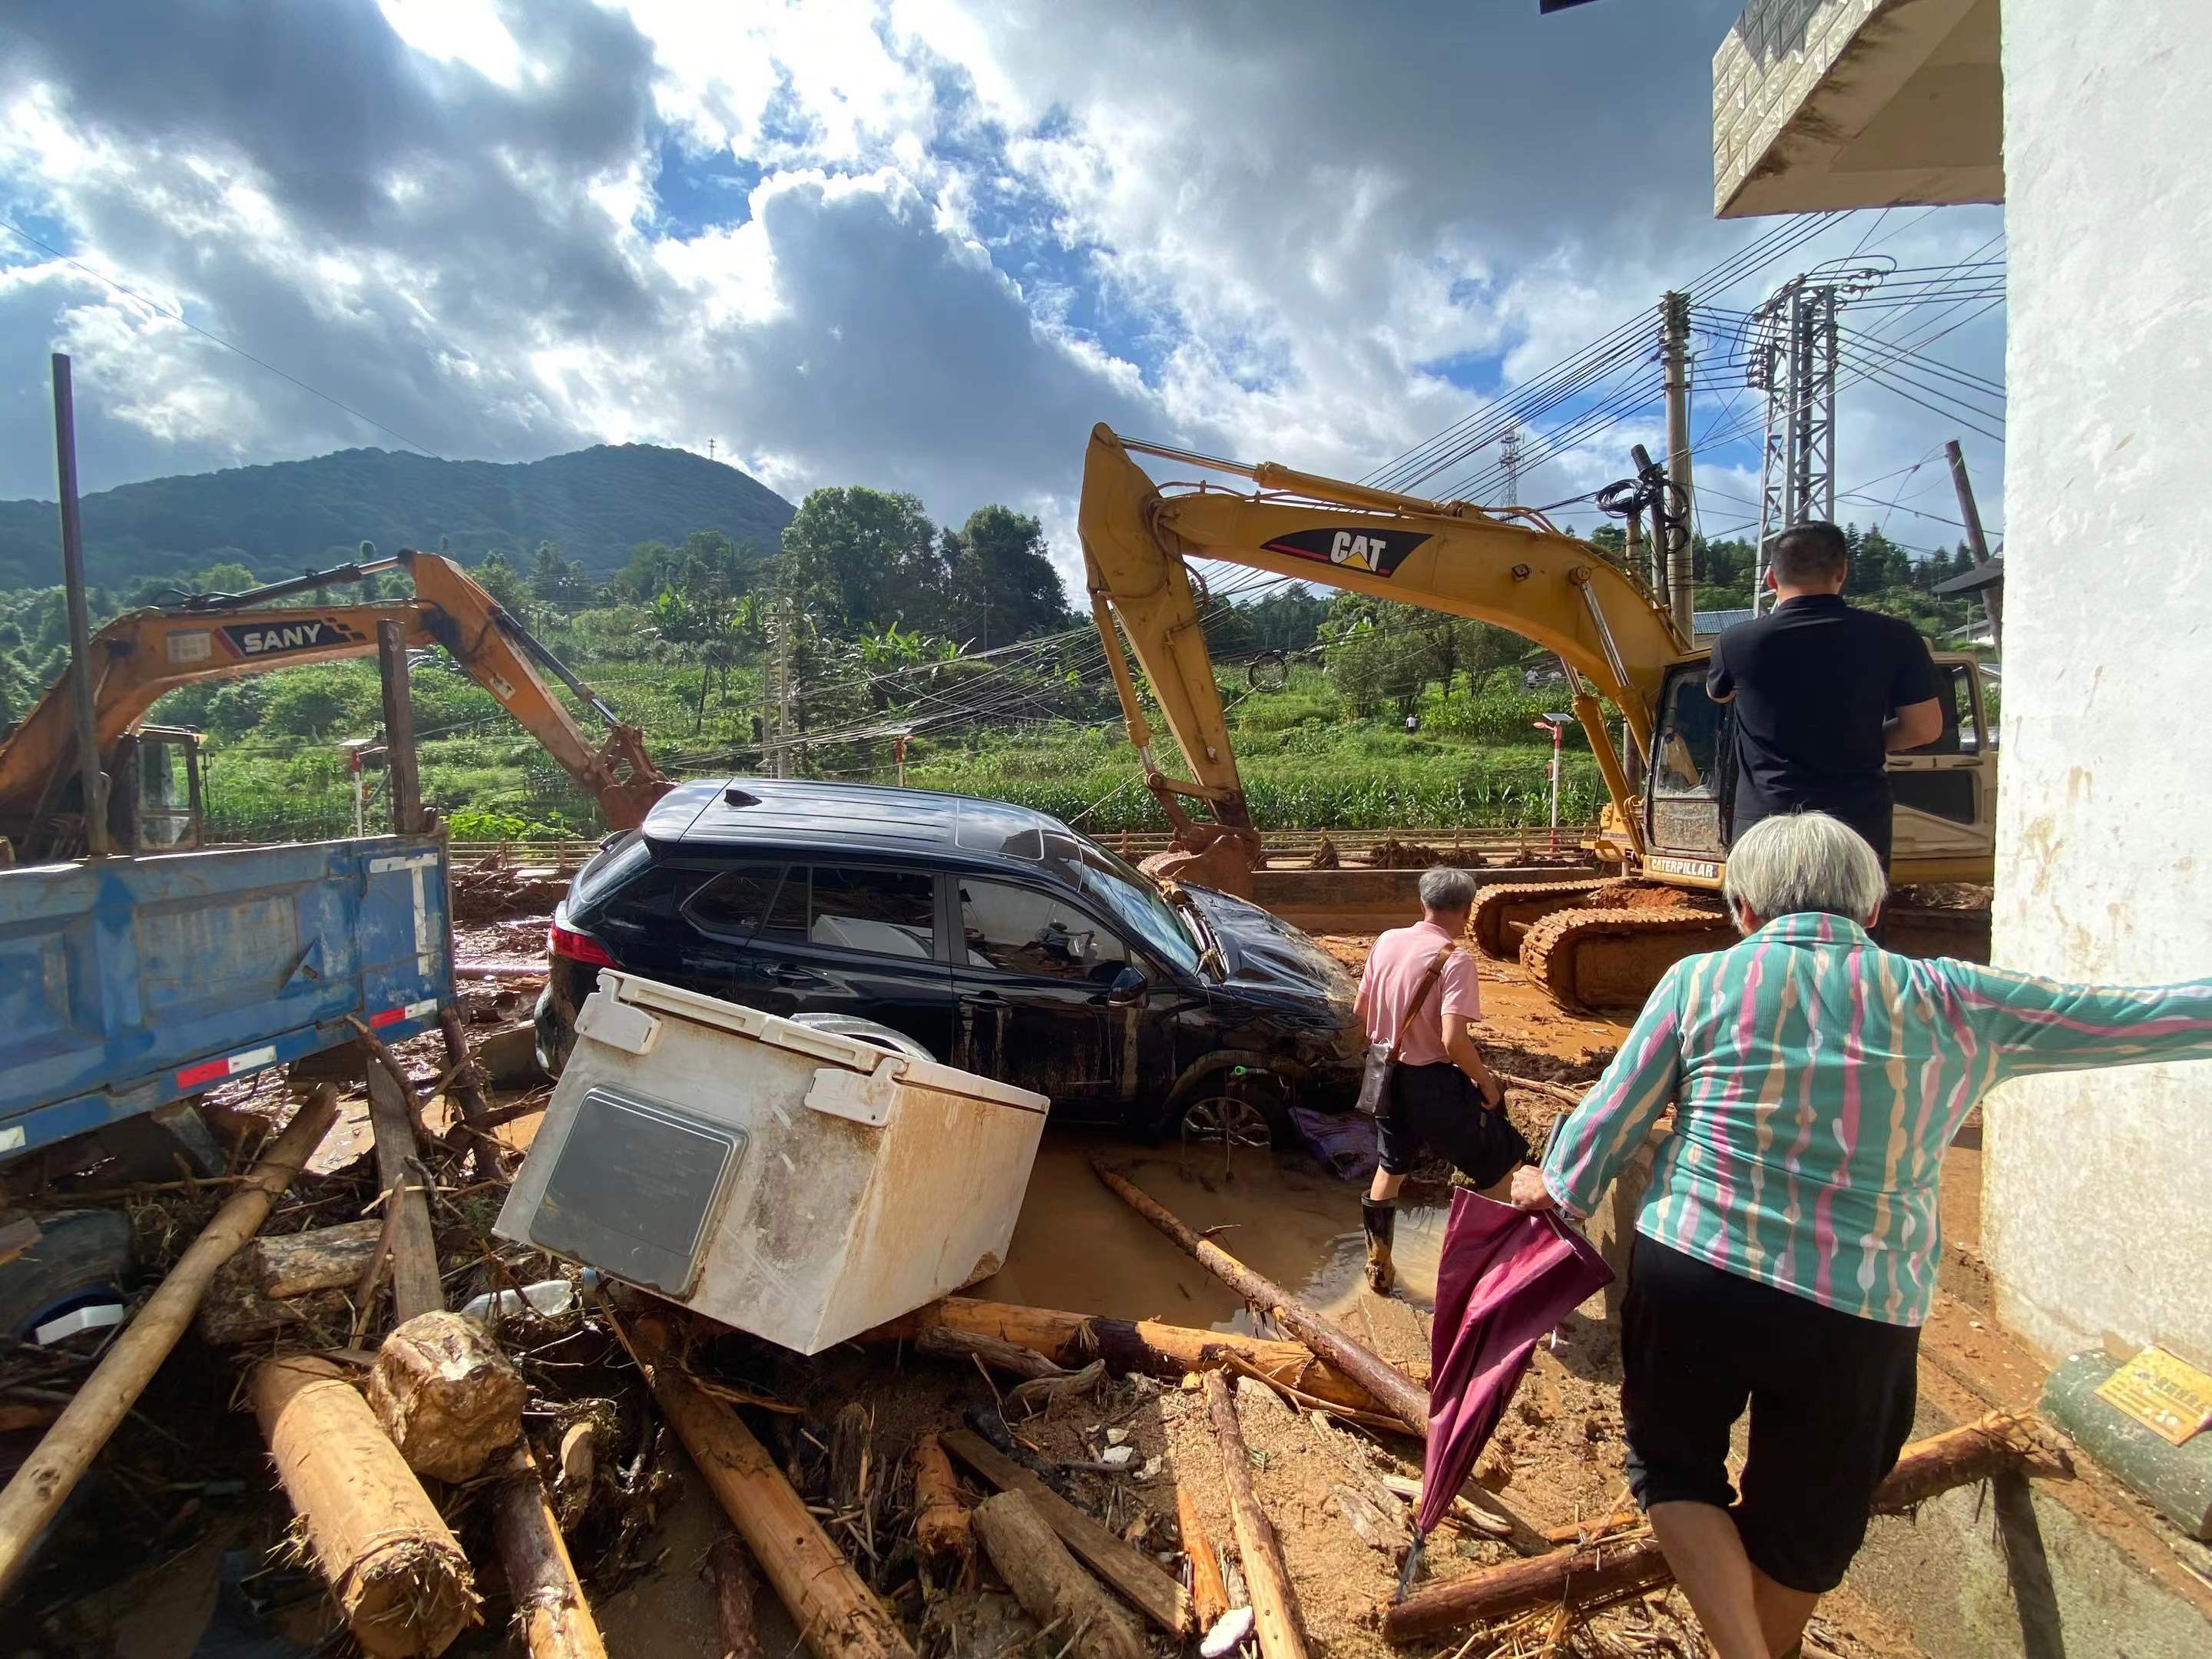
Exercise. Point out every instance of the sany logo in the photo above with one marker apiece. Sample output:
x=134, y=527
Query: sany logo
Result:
x=277, y=639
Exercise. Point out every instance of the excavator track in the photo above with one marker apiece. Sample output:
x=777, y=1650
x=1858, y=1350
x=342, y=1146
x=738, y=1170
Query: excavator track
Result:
x=1594, y=959
x=1504, y=912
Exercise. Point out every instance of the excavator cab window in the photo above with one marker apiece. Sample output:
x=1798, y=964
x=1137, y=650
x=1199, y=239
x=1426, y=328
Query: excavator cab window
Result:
x=162, y=794
x=1690, y=766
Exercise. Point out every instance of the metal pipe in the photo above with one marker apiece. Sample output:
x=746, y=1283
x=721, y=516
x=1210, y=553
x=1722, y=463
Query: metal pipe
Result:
x=331, y=578
x=92, y=780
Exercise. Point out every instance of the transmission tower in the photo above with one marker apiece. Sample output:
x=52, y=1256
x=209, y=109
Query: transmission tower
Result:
x=1509, y=457
x=1793, y=361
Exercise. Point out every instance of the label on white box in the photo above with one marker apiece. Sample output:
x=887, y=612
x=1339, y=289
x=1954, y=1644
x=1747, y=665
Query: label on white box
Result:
x=861, y=1097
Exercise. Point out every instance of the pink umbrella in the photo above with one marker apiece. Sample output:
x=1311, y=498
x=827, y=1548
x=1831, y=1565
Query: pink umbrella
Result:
x=1506, y=1277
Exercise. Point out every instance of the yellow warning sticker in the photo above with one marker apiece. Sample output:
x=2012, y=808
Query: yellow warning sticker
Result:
x=2168, y=1396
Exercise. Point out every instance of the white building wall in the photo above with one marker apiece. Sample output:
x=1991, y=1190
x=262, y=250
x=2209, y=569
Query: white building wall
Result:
x=2097, y=1201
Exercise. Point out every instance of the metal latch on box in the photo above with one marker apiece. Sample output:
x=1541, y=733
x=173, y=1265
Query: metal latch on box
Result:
x=862, y=1096
x=618, y=1024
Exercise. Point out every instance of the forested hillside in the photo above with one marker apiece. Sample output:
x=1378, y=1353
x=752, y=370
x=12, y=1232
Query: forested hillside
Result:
x=595, y=504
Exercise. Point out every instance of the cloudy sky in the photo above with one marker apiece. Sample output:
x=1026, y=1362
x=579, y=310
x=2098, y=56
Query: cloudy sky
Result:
x=920, y=244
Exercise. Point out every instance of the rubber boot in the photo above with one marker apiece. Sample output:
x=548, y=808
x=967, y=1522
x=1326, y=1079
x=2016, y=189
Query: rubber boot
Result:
x=1381, y=1221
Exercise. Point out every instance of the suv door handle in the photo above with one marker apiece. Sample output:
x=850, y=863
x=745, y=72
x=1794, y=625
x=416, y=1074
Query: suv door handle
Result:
x=798, y=978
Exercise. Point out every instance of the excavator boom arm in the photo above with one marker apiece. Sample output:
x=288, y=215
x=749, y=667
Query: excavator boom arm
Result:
x=142, y=656
x=1552, y=589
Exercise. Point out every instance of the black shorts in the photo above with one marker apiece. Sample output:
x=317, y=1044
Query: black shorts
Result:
x=1436, y=1109
x=1831, y=1393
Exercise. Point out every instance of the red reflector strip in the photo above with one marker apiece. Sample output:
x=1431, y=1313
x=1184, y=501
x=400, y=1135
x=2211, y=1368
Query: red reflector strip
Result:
x=214, y=1071
x=412, y=1011
x=389, y=1017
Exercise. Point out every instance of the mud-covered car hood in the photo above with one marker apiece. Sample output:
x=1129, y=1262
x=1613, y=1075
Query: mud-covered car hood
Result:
x=1263, y=952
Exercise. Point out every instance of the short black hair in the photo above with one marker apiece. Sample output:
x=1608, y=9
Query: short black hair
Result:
x=1811, y=552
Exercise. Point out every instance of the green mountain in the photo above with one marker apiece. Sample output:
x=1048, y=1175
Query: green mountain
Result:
x=595, y=504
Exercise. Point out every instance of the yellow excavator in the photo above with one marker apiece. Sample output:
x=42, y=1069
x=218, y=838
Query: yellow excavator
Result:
x=155, y=790
x=1600, y=942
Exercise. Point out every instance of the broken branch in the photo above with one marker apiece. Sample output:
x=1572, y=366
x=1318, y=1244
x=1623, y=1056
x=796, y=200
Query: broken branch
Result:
x=1274, y=1600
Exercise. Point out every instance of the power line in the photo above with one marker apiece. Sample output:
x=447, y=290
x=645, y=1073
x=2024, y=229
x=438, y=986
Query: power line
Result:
x=178, y=317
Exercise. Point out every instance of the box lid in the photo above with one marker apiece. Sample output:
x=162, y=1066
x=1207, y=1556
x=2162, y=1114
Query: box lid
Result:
x=824, y=1047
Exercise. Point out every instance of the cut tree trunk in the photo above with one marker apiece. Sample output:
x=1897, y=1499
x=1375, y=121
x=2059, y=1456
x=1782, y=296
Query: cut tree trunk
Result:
x=1398, y=1394
x=397, y=1573
x=556, y=1619
x=837, y=1614
x=1275, y=1615
x=416, y=1287
x=106, y=1397
x=941, y=1531
x=994, y=1351
x=247, y=1297
x=1209, y=1596
x=1045, y=1579
x=1598, y=1572
x=1119, y=1563
x=1144, y=1346
x=448, y=1395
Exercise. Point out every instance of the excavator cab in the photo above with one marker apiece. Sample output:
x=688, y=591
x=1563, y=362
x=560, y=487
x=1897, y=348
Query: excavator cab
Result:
x=1692, y=777
x=155, y=795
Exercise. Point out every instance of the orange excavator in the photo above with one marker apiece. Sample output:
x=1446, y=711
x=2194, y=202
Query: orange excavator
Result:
x=1662, y=845
x=155, y=782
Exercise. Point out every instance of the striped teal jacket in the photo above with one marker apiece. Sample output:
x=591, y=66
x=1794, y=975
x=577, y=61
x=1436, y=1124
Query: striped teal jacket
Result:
x=1817, y=1080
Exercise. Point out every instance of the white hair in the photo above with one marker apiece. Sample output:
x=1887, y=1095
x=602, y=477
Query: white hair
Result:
x=1804, y=861
x=1445, y=889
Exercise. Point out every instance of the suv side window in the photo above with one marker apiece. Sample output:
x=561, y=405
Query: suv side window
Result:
x=884, y=912
x=736, y=903
x=1019, y=930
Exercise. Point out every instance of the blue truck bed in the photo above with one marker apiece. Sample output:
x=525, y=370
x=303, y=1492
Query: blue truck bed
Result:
x=130, y=983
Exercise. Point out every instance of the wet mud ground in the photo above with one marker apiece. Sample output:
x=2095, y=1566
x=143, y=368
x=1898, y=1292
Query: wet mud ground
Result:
x=206, y=1573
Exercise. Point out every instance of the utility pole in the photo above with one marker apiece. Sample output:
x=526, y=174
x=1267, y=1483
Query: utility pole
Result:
x=1793, y=361
x=1673, y=513
x=1631, y=549
x=401, y=762
x=1509, y=457
x=92, y=782
x=1993, y=595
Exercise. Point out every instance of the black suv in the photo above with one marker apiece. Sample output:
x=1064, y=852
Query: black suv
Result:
x=997, y=937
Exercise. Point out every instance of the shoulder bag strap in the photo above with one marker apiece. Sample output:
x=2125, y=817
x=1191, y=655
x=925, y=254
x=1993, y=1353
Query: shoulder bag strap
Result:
x=1420, y=995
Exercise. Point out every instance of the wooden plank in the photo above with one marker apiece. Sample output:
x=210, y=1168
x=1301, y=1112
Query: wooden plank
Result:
x=416, y=1286
x=1128, y=1569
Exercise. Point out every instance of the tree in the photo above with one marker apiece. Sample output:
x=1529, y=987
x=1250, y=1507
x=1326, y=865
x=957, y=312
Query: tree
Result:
x=500, y=578
x=1004, y=587
x=867, y=556
x=557, y=580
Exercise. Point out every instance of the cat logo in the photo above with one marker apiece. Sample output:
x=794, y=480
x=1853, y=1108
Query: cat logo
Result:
x=255, y=640
x=1380, y=552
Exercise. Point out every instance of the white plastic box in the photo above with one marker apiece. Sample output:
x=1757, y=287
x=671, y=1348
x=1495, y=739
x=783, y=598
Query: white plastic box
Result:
x=788, y=1181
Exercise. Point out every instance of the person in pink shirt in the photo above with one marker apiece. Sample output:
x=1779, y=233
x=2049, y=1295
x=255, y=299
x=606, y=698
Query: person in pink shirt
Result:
x=1443, y=1099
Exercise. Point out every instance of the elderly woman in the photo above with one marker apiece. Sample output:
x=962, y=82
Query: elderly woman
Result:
x=1785, y=1254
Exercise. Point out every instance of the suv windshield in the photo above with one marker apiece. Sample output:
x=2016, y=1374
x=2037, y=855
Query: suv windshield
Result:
x=1138, y=904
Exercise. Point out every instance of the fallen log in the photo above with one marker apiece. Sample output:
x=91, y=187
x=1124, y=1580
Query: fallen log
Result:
x=35, y=1494
x=1144, y=1346
x=730, y=1571
x=467, y=1083
x=394, y=1569
x=247, y=1297
x=941, y=1530
x=1121, y=1563
x=448, y=1395
x=994, y=1351
x=1209, y=1594
x=837, y=1614
x=1598, y=1572
x=549, y=1607
x=1045, y=1579
x=1275, y=1614
x=498, y=971
x=1398, y=1394
x=416, y=1287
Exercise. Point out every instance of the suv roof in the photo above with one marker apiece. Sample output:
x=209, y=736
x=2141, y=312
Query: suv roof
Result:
x=793, y=813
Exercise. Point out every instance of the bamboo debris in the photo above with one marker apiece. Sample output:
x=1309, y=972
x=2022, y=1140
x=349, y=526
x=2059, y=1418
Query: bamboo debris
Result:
x=448, y=1395
x=1121, y=1563
x=549, y=1605
x=1144, y=1346
x=1046, y=1580
x=837, y=1614
x=1209, y=1596
x=941, y=1531
x=1579, y=1578
x=416, y=1287
x=1398, y=1394
x=394, y=1569
x=46, y=1478
x=1275, y=1600
x=730, y=1571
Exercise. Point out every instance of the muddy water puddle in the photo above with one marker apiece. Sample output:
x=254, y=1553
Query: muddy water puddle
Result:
x=1079, y=1249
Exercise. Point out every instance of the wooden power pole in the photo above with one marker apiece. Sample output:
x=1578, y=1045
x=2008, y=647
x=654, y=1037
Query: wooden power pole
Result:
x=1970, y=515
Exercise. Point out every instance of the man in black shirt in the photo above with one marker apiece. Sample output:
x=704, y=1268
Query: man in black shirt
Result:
x=1822, y=694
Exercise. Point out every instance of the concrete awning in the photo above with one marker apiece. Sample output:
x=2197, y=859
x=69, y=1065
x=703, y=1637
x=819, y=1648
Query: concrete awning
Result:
x=1821, y=104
